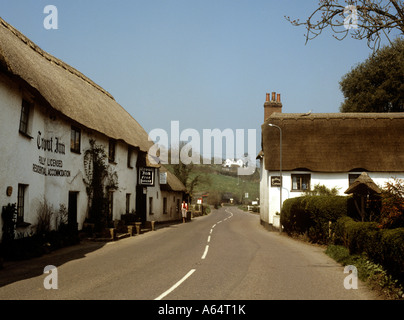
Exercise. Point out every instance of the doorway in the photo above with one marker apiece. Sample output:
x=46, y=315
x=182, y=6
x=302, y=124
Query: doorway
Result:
x=141, y=198
x=72, y=210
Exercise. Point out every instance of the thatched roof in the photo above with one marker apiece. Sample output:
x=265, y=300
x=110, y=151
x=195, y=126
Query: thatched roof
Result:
x=173, y=183
x=335, y=142
x=66, y=89
x=363, y=185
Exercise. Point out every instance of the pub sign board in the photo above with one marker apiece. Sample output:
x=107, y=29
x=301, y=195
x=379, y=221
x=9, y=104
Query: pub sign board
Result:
x=275, y=181
x=163, y=177
x=146, y=176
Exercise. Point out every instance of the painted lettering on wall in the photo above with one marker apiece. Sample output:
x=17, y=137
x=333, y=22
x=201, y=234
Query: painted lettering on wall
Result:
x=51, y=145
x=50, y=167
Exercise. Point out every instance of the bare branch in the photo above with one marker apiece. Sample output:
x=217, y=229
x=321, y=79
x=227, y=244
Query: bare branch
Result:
x=363, y=19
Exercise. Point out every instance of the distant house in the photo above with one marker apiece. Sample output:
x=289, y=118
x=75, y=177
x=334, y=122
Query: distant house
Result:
x=229, y=163
x=330, y=149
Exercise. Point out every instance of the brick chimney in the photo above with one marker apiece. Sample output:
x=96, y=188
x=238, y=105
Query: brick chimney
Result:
x=272, y=105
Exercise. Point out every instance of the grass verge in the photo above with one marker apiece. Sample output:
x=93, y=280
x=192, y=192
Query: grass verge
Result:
x=370, y=273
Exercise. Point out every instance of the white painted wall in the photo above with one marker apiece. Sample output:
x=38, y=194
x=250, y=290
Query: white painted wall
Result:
x=154, y=193
x=270, y=196
x=173, y=213
x=158, y=196
x=264, y=192
x=20, y=154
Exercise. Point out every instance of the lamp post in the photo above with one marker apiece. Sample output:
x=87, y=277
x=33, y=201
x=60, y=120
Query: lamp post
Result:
x=280, y=173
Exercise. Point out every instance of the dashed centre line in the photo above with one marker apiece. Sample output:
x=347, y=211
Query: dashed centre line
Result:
x=176, y=285
x=205, y=253
x=211, y=231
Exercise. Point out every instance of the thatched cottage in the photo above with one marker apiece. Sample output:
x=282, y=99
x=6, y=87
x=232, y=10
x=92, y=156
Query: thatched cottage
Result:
x=330, y=149
x=50, y=113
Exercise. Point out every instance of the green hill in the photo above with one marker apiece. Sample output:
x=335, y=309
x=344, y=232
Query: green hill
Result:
x=220, y=183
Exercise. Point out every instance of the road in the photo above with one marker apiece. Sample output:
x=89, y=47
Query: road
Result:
x=226, y=255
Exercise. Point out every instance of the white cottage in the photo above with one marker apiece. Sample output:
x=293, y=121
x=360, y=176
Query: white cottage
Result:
x=49, y=113
x=330, y=149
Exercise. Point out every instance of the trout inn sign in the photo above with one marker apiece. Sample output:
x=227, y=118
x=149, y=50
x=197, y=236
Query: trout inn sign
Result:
x=49, y=166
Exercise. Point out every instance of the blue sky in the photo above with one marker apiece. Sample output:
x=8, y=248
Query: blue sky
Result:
x=207, y=64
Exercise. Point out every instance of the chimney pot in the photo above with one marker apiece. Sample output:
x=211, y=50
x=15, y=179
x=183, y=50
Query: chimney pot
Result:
x=271, y=106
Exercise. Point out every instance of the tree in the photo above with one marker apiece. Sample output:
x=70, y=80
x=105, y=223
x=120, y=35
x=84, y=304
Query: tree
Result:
x=364, y=19
x=392, y=212
x=185, y=172
x=376, y=85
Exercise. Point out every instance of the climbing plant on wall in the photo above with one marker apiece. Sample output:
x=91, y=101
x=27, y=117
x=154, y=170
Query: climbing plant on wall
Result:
x=100, y=177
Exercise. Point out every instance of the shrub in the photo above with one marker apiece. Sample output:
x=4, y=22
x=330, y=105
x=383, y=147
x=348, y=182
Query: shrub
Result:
x=321, y=190
x=383, y=246
x=373, y=273
x=392, y=251
x=45, y=213
x=312, y=215
x=392, y=211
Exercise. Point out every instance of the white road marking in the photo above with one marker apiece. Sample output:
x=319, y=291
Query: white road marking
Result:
x=176, y=285
x=206, y=252
x=160, y=297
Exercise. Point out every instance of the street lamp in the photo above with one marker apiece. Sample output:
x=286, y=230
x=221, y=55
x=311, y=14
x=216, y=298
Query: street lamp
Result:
x=280, y=173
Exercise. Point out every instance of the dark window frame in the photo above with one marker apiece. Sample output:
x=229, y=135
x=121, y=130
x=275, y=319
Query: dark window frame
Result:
x=127, y=204
x=129, y=159
x=151, y=206
x=165, y=207
x=75, y=140
x=26, y=110
x=21, y=194
x=304, y=180
x=111, y=150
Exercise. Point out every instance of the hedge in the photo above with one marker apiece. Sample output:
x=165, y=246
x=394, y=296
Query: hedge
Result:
x=382, y=246
x=311, y=215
